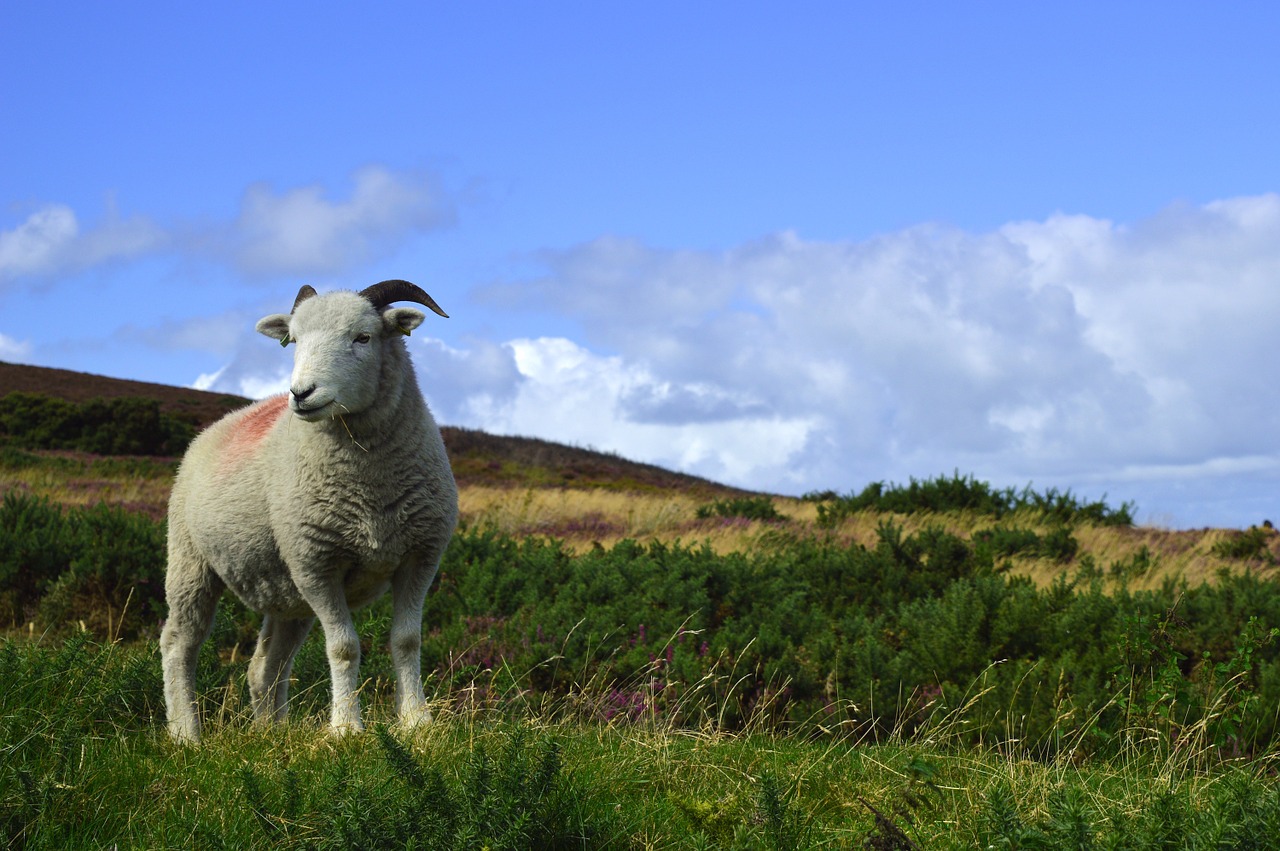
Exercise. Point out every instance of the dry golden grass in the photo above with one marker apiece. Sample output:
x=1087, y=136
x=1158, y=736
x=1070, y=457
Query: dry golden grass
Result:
x=146, y=494
x=585, y=516
x=582, y=518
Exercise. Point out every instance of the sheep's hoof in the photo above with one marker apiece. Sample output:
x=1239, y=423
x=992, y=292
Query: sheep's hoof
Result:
x=341, y=731
x=184, y=735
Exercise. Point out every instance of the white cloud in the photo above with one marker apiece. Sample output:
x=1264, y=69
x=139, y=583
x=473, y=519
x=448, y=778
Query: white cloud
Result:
x=1068, y=350
x=572, y=395
x=36, y=245
x=50, y=241
x=208, y=380
x=261, y=386
x=302, y=232
x=258, y=368
x=14, y=351
x=463, y=386
x=297, y=231
x=1128, y=359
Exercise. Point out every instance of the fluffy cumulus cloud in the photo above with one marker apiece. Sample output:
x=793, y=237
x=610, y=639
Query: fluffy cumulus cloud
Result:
x=51, y=241
x=1071, y=351
x=565, y=392
x=301, y=231
x=253, y=366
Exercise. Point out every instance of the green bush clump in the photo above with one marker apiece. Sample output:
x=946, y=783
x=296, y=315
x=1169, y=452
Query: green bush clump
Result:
x=965, y=493
x=1239, y=813
x=138, y=467
x=1251, y=544
x=1005, y=542
x=514, y=799
x=101, y=565
x=121, y=426
x=745, y=507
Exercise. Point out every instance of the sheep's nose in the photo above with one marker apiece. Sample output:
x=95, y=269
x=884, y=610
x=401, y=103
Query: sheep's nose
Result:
x=301, y=395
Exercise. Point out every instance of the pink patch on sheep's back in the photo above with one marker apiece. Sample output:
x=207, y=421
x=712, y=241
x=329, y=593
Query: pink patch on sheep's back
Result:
x=249, y=428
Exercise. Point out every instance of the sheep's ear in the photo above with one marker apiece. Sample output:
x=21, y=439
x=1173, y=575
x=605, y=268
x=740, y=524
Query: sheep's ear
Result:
x=275, y=326
x=402, y=320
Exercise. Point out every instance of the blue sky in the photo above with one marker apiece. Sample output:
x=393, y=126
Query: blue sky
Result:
x=791, y=247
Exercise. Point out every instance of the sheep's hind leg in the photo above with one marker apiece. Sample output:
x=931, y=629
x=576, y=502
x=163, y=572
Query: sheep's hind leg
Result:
x=193, y=599
x=272, y=662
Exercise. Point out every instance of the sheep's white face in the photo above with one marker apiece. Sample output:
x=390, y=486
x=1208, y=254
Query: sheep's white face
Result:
x=340, y=339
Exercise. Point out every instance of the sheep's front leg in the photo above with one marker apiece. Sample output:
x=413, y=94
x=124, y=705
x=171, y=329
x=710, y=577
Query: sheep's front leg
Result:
x=342, y=645
x=408, y=592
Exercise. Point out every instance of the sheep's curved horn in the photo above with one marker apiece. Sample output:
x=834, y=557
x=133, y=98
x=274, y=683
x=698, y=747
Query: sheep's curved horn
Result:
x=305, y=293
x=388, y=291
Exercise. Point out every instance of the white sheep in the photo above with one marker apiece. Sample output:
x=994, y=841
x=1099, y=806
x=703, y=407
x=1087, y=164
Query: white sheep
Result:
x=311, y=504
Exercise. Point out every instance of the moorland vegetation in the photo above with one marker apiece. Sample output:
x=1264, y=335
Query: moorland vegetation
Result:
x=933, y=664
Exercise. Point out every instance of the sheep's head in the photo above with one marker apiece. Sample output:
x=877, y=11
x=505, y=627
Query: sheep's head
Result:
x=341, y=339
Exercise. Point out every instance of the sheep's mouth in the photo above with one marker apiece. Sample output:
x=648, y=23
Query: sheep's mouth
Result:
x=313, y=412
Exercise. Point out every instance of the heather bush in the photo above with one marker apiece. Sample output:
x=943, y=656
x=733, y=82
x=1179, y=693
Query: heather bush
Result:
x=746, y=507
x=1253, y=543
x=892, y=637
x=965, y=493
x=102, y=567
x=120, y=426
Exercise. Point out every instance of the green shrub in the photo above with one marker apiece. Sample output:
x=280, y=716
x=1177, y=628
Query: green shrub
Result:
x=1135, y=566
x=1006, y=541
x=1059, y=544
x=746, y=507
x=121, y=426
x=61, y=567
x=1251, y=544
x=965, y=493
x=514, y=799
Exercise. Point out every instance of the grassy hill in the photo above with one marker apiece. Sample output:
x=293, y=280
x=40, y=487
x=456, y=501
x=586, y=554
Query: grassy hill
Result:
x=197, y=406
x=477, y=457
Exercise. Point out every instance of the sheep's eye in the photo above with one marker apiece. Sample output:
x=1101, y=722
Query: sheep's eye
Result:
x=363, y=338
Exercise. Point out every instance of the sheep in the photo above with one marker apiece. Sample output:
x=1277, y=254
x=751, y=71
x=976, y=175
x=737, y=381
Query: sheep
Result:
x=310, y=504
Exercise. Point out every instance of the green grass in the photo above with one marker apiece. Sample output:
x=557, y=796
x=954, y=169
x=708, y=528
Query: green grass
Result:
x=85, y=764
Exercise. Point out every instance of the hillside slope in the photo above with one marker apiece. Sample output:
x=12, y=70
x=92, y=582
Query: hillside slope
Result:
x=478, y=457
x=196, y=406
x=527, y=486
